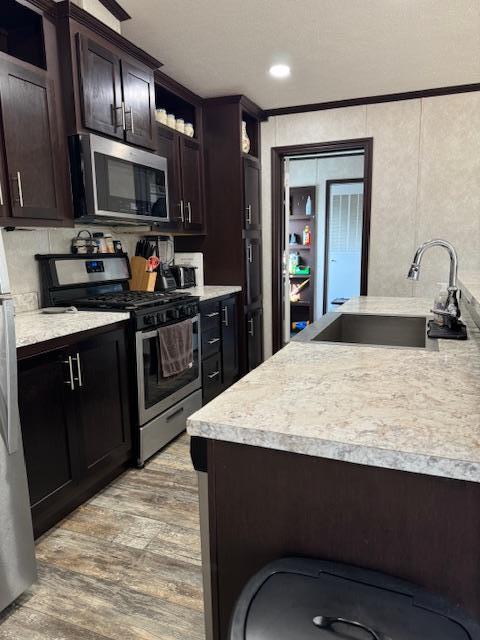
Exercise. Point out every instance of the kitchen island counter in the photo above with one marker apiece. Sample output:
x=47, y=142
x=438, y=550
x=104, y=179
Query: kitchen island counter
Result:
x=408, y=409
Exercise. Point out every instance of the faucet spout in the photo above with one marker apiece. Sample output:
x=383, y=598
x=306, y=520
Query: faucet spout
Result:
x=414, y=271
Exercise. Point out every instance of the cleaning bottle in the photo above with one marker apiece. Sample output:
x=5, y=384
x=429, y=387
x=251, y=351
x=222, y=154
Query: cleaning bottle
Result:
x=307, y=236
x=308, y=206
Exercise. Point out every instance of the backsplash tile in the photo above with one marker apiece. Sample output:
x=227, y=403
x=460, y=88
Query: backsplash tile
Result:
x=21, y=247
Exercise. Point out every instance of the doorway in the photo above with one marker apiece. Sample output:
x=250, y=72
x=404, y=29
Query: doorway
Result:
x=320, y=232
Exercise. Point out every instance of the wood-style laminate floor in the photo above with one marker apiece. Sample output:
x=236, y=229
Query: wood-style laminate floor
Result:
x=124, y=566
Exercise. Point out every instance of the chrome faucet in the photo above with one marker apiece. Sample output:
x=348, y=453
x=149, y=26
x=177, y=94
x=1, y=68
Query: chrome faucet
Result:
x=452, y=310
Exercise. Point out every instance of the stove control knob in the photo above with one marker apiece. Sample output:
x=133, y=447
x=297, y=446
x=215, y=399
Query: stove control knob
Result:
x=161, y=318
x=148, y=320
x=173, y=314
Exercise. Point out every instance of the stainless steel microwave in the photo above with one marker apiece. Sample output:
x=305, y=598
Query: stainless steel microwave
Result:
x=113, y=182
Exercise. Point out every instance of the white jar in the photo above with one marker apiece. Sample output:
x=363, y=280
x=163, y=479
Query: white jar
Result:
x=245, y=138
x=189, y=130
x=180, y=125
x=161, y=116
x=171, y=121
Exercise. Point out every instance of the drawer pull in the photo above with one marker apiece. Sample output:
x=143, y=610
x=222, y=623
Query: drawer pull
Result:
x=214, y=375
x=225, y=316
x=249, y=214
x=214, y=340
x=251, y=329
x=174, y=414
x=213, y=314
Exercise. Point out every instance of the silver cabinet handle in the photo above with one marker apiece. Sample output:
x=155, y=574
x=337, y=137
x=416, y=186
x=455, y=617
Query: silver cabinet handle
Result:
x=1, y=196
x=225, y=316
x=213, y=314
x=79, y=377
x=214, y=340
x=251, y=329
x=132, y=127
x=189, y=207
x=182, y=211
x=250, y=253
x=121, y=108
x=18, y=179
x=249, y=214
x=214, y=375
x=71, y=380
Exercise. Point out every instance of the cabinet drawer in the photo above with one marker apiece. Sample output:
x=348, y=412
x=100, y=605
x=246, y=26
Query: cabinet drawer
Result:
x=210, y=315
x=211, y=342
x=212, y=377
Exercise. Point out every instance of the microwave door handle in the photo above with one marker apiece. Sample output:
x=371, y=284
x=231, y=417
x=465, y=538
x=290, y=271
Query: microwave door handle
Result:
x=9, y=417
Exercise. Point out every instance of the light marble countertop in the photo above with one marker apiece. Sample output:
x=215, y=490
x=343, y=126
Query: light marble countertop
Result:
x=211, y=291
x=34, y=326
x=408, y=409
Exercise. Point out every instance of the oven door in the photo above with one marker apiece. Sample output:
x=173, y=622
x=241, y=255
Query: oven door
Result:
x=156, y=393
x=122, y=182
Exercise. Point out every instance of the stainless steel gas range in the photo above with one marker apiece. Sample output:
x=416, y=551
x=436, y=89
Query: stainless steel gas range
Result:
x=100, y=282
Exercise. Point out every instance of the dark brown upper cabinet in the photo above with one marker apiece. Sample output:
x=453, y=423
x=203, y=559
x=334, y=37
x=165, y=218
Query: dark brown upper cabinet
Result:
x=32, y=157
x=139, y=99
x=117, y=97
x=101, y=88
x=185, y=180
x=191, y=169
x=251, y=181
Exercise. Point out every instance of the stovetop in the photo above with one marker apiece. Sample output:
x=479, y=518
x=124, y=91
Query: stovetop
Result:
x=131, y=300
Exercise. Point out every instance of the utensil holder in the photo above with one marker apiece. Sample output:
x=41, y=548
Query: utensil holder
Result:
x=142, y=280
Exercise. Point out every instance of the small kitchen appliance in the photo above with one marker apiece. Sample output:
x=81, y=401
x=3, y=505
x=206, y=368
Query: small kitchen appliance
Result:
x=184, y=276
x=100, y=283
x=114, y=182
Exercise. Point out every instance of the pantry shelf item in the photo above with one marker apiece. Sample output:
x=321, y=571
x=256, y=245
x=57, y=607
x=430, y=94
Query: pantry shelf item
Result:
x=171, y=121
x=189, y=130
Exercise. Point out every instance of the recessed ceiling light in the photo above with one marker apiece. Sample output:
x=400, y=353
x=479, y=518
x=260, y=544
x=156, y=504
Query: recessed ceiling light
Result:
x=280, y=70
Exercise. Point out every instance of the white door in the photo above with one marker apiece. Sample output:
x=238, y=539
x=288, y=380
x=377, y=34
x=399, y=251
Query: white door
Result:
x=343, y=250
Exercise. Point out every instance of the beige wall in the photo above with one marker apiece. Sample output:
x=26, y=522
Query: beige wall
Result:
x=97, y=9
x=426, y=184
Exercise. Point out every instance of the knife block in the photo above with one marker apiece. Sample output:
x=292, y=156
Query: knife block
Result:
x=142, y=280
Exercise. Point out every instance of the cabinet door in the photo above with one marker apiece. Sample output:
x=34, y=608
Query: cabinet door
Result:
x=251, y=177
x=168, y=147
x=50, y=439
x=191, y=161
x=211, y=377
x=4, y=190
x=254, y=338
x=139, y=98
x=253, y=250
x=229, y=340
x=100, y=88
x=100, y=365
x=31, y=142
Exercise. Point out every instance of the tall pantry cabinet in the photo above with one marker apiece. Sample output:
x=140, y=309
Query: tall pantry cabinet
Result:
x=233, y=245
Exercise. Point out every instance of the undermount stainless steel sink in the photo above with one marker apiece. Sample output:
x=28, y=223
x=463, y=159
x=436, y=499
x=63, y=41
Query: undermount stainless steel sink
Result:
x=376, y=330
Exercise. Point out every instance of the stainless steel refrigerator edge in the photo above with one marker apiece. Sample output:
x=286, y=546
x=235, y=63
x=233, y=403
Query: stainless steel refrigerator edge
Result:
x=17, y=551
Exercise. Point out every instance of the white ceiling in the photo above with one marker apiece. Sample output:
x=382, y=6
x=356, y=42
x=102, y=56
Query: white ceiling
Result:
x=337, y=49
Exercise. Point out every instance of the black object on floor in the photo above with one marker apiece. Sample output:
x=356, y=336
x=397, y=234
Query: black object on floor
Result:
x=302, y=598
x=458, y=332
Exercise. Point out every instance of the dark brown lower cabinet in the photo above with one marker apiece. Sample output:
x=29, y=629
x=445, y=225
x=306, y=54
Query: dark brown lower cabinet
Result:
x=229, y=321
x=74, y=412
x=254, y=320
x=219, y=328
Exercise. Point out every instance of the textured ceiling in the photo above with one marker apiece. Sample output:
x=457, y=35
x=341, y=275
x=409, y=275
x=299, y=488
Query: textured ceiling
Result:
x=337, y=49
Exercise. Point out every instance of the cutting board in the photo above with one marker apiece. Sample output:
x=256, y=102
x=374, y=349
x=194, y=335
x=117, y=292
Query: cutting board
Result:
x=142, y=280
